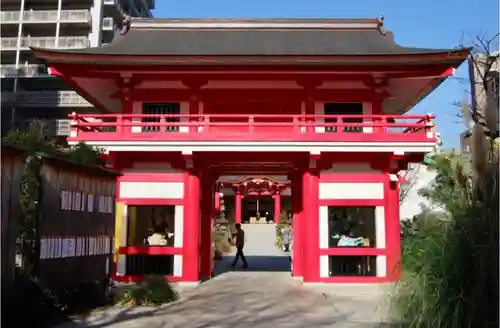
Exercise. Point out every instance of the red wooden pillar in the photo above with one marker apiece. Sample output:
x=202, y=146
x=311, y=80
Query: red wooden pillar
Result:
x=207, y=205
x=392, y=230
x=310, y=190
x=277, y=207
x=237, y=207
x=297, y=225
x=191, y=231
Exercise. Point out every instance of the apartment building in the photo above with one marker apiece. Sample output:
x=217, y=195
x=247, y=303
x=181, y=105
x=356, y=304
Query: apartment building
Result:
x=27, y=89
x=484, y=86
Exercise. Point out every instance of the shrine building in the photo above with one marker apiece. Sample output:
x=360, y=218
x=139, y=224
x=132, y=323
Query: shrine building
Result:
x=320, y=103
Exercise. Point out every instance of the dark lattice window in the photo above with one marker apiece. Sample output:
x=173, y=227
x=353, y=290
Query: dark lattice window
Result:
x=334, y=109
x=168, y=112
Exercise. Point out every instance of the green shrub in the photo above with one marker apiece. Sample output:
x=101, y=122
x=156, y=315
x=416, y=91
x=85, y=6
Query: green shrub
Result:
x=154, y=290
x=450, y=277
x=279, y=237
x=28, y=304
x=222, y=241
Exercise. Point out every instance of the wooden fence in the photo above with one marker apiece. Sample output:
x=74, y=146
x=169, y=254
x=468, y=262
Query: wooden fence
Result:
x=12, y=161
x=75, y=225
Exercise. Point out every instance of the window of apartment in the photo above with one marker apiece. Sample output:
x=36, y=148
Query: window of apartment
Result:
x=161, y=112
x=334, y=109
x=352, y=227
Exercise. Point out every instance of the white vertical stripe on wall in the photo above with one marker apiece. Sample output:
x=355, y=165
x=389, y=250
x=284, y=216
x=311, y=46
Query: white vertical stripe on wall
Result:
x=367, y=110
x=323, y=227
x=177, y=266
x=121, y=265
x=178, y=225
x=380, y=227
x=184, y=111
x=324, y=266
x=381, y=262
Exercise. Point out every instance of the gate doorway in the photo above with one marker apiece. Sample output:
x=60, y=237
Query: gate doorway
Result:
x=257, y=202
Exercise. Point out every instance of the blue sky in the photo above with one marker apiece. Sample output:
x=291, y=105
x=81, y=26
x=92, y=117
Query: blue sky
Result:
x=421, y=23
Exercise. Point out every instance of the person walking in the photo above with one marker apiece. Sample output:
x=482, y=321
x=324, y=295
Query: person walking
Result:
x=239, y=238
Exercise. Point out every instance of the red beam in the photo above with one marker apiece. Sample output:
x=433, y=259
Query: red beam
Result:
x=267, y=95
x=239, y=69
x=151, y=201
x=139, y=278
x=351, y=202
x=149, y=250
x=352, y=251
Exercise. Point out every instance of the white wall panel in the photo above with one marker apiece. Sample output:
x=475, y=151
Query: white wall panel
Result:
x=380, y=227
x=323, y=227
x=177, y=266
x=381, y=266
x=334, y=190
x=174, y=190
x=179, y=225
x=324, y=267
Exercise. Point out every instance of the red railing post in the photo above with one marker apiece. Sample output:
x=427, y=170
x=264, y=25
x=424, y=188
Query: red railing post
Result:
x=384, y=121
x=340, y=124
x=119, y=124
x=296, y=124
x=74, y=125
x=194, y=113
x=429, y=127
x=206, y=123
x=310, y=125
x=251, y=121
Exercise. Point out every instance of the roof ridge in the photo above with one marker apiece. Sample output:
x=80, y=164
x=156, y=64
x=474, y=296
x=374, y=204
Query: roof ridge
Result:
x=258, y=23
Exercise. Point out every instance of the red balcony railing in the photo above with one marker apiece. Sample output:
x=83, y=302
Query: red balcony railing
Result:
x=279, y=128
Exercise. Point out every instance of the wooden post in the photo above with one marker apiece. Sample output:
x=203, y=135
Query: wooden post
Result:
x=191, y=231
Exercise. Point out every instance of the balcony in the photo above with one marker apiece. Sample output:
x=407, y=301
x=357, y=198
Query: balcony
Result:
x=321, y=129
x=30, y=70
x=49, y=127
x=46, y=98
x=46, y=16
x=64, y=42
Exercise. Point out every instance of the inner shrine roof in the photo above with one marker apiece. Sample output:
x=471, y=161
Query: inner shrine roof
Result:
x=237, y=180
x=251, y=37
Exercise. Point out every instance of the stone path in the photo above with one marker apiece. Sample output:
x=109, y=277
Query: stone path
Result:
x=263, y=296
x=245, y=299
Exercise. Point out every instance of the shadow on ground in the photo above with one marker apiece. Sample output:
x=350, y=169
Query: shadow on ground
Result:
x=242, y=299
x=256, y=263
